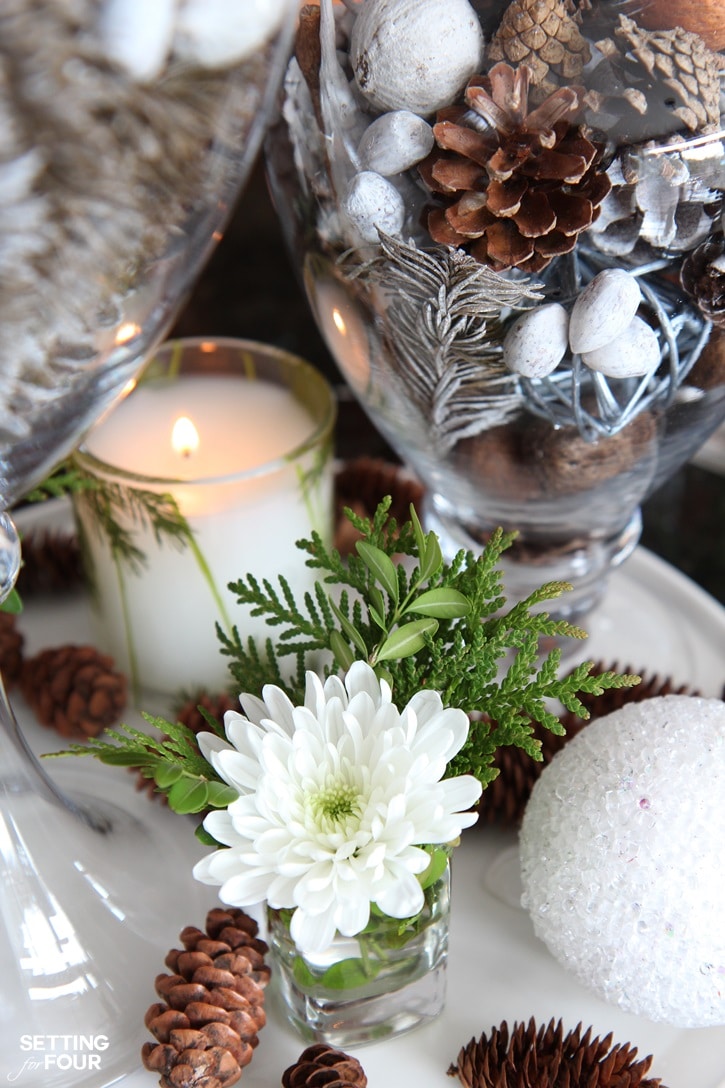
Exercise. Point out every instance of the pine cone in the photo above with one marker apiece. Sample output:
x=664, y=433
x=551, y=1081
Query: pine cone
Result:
x=321, y=1065
x=216, y=705
x=531, y=1058
x=12, y=642
x=51, y=564
x=504, y=801
x=74, y=689
x=545, y=36
x=655, y=83
x=703, y=277
x=361, y=484
x=520, y=193
x=212, y=1007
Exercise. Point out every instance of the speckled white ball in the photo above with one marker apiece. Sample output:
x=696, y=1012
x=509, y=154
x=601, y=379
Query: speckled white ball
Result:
x=622, y=859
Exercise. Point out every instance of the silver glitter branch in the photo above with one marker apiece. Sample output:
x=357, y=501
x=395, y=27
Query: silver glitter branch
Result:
x=441, y=329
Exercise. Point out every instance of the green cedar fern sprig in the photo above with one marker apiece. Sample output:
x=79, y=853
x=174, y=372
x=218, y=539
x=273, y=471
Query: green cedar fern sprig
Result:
x=420, y=623
x=173, y=761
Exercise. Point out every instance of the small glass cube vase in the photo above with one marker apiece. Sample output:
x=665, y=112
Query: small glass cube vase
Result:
x=387, y=980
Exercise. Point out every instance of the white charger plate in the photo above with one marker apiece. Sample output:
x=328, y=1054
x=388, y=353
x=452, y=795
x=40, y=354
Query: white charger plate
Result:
x=653, y=619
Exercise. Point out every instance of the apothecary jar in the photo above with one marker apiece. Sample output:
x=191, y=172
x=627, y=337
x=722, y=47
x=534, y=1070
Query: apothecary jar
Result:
x=509, y=221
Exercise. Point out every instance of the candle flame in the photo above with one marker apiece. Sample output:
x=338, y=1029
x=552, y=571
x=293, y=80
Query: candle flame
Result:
x=184, y=437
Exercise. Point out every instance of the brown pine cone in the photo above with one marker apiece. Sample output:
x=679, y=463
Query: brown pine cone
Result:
x=51, y=564
x=321, y=1065
x=532, y=1058
x=545, y=36
x=212, y=1006
x=74, y=689
x=703, y=277
x=12, y=642
x=504, y=801
x=521, y=192
x=216, y=705
x=361, y=484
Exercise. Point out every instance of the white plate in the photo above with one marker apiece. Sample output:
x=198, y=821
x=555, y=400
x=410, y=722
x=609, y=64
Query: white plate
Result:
x=653, y=619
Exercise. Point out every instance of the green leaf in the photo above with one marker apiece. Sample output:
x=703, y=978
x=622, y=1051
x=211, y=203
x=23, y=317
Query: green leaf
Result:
x=432, y=557
x=204, y=837
x=406, y=640
x=436, y=868
x=188, y=795
x=219, y=795
x=166, y=775
x=443, y=604
x=350, y=630
x=12, y=604
x=418, y=531
x=377, y=602
x=302, y=974
x=347, y=974
x=119, y=757
x=380, y=566
x=343, y=654
x=377, y=618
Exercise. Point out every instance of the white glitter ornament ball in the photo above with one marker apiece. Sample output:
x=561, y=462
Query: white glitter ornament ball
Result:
x=622, y=859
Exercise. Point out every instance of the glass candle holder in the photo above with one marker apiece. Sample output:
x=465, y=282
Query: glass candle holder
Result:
x=215, y=464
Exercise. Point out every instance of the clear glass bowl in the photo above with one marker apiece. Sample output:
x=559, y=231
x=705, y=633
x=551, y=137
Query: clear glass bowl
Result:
x=509, y=220
x=126, y=133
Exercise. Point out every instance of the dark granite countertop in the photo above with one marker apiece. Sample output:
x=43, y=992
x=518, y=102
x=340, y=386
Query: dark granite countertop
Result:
x=250, y=290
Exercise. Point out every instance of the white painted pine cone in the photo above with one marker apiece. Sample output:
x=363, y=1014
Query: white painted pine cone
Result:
x=372, y=203
x=604, y=309
x=537, y=341
x=415, y=55
x=395, y=142
x=632, y=354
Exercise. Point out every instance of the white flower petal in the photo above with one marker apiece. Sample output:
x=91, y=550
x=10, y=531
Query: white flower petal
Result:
x=425, y=705
x=312, y=932
x=403, y=897
x=210, y=742
x=337, y=797
x=253, y=708
x=361, y=678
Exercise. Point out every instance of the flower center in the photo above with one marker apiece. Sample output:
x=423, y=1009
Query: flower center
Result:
x=334, y=804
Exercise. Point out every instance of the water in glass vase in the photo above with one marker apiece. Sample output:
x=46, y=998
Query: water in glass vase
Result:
x=388, y=979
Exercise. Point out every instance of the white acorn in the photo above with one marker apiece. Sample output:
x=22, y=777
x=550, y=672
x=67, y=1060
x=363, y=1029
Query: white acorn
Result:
x=217, y=33
x=371, y=203
x=632, y=354
x=394, y=142
x=537, y=341
x=603, y=310
x=137, y=35
x=415, y=55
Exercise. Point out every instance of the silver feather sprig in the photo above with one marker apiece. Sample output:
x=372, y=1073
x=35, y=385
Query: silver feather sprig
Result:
x=441, y=328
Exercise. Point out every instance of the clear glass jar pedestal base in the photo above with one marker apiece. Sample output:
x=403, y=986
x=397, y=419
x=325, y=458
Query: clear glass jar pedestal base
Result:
x=583, y=561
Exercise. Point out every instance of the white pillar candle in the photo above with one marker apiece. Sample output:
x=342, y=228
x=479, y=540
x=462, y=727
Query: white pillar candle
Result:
x=236, y=453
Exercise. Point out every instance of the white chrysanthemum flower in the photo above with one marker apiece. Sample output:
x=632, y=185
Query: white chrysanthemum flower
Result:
x=337, y=797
